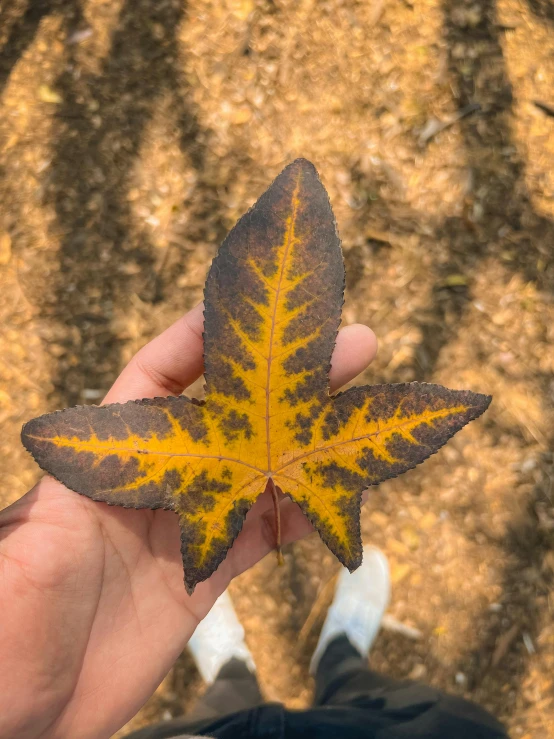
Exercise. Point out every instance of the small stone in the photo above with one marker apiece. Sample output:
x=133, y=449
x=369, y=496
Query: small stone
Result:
x=77, y=37
x=56, y=350
x=461, y=679
x=528, y=465
x=473, y=474
x=380, y=519
x=242, y=115
x=89, y=393
x=158, y=31
x=428, y=521
x=33, y=401
x=241, y=9
x=130, y=268
x=399, y=572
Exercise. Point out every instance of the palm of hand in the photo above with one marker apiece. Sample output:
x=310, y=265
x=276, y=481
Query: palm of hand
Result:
x=97, y=611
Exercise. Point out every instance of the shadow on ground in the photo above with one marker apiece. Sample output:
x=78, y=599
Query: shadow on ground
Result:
x=100, y=129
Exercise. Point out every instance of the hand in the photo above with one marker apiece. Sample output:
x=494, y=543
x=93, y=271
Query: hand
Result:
x=94, y=610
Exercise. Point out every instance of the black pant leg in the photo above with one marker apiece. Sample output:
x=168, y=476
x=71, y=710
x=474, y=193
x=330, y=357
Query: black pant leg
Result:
x=395, y=709
x=234, y=689
x=343, y=673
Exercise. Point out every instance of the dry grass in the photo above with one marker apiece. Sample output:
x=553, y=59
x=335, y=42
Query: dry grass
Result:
x=134, y=133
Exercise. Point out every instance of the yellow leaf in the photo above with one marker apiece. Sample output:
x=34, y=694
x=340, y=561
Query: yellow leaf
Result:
x=399, y=572
x=48, y=95
x=410, y=537
x=455, y=280
x=273, y=300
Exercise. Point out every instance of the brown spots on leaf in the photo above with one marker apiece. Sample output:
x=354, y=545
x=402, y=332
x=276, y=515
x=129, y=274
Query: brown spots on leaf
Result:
x=152, y=420
x=315, y=288
x=156, y=494
x=346, y=546
x=315, y=352
x=303, y=425
x=233, y=425
x=338, y=416
x=198, y=565
x=119, y=421
x=374, y=468
x=237, y=286
x=304, y=325
x=200, y=493
x=307, y=388
x=227, y=382
x=190, y=416
x=334, y=475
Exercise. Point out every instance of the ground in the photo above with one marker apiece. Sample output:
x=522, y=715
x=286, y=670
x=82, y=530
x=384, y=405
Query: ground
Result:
x=133, y=134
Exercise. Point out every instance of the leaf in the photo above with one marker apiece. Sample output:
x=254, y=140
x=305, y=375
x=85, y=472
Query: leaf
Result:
x=455, y=280
x=48, y=95
x=273, y=301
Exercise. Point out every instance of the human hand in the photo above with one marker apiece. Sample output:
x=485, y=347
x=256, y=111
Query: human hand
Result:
x=94, y=610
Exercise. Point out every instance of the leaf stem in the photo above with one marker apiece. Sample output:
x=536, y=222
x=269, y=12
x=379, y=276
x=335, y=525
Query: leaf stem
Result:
x=277, y=510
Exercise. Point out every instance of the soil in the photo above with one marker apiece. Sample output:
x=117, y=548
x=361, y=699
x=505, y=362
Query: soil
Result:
x=133, y=134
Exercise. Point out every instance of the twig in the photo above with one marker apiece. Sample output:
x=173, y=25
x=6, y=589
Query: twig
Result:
x=503, y=644
x=315, y=611
x=434, y=126
x=548, y=109
x=390, y=623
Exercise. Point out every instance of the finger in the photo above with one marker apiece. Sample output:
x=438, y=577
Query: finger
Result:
x=165, y=366
x=355, y=349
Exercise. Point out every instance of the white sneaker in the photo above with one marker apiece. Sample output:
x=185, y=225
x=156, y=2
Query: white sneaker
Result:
x=361, y=599
x=218, y=638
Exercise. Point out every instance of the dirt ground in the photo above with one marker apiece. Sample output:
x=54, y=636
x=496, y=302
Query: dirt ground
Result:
x=133, y=133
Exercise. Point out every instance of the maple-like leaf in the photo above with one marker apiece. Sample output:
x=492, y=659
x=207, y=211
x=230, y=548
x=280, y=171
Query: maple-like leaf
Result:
x=273, y=301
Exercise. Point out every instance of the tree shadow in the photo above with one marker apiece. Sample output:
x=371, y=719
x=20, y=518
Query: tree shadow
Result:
x=500, y=222
x=100, y=128
x=24, y=27
x=508, y=636
x=498, y=213
x=543, y=9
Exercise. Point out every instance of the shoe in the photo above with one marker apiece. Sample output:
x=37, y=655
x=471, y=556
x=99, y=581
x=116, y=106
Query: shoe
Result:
x=361, y=599
x=218, y=638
